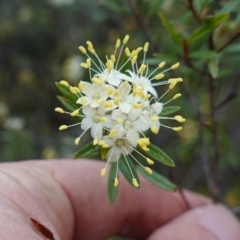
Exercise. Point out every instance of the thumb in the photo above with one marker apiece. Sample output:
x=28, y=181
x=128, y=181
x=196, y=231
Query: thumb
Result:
x=211, y=222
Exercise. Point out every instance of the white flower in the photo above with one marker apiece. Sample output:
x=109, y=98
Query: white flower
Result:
x=95, y=95
x=114, y=77
x=150, y=116
x=117, y=145
x=97, y=120
x=128, y=124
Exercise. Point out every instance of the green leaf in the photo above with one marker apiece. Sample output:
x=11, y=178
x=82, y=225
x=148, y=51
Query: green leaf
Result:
x=158, y=155
x=203, y=54
x=213, y=67
x=67, y=104
x=157, y=179
x=169, y=110
x=67, y=94
x=205, y=30
x=125, y=164
x=112, y=190
x=87, y=151
x=174, y=35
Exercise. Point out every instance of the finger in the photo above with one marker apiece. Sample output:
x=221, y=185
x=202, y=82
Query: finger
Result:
x=53, y=192
x=211, y=222
x=136, y=213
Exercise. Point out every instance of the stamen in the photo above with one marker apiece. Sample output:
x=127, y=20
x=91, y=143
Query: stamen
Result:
x=77, y=140
x=177, y=129
x=176, y=65
x=103, y=172
x=126, y=38
x=135, y=183
x=162, y=64
x=58, y=109
x=150, y=161
x=116, y=182
x=145, y=48
x=118, y=43
x=63, y=127
x=64, y=83
x=148, y=170
x=82, y=49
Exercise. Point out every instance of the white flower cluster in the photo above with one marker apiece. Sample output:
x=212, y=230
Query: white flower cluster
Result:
x=120, y=104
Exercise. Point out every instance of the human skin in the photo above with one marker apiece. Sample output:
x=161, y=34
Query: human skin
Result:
x=70, y=198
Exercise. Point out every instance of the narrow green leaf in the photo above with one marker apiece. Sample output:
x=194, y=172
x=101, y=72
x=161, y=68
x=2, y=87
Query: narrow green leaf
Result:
x=203, y=54
x=158, y=155
x=205, y=30
x=125, y=164
x=213, y=67
x=169, y=110
x=67, y=104
x=157, y=179
x=174, y=35
x=112, y=190
x=66, y=93
x=87, y=151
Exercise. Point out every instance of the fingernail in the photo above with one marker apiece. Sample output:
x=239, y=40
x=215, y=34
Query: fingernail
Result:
x=219, y=221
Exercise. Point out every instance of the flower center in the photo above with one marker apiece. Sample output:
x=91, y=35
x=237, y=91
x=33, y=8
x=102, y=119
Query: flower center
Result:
x=119, y=142
x=148, y=112
x=96, y=96
x=127, y=124
x=96, y=118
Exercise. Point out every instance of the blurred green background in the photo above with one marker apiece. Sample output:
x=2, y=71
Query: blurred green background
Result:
x=39, y=45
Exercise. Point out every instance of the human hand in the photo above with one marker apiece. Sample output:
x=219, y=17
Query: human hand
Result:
x=70, y=198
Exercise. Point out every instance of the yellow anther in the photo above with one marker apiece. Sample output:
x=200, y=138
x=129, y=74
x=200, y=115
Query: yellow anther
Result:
x=58, y=109
x=119, y=120
x=115, y=93
x=144, y=141
x=116, y=182
x=101, y=142
x=150, y=161
x=64, y=83
x=133, y=60
x=159, y=76
x=173, y=84
x=105, y=146
x=63, y=127
x=148, y=170
x=177, y=129
x=99, y=101
x=135, y=183
x=162, y=64
x=145, y=48
x=109, y=91
x=108, y=104
x=154, y=118
x=80, y=86
x=82, y=49
x=91, y=50
x=88, y=62
x=154, y=129
x=96, y=80
x=127, y=52
x=145, y=149
x=74, y=90
x=176, y=65
x=146, y=97
x=137, y=105
x=133, y=53
x=118, y=43
x=116, y=101
x=95, y=142
x=179, y=79
x=77, y=140
x=90, y=45
x=103, y=172
x=75, y=113
x=177, y=96
x=180, y=118
x=112, y=133
x=138, y=50
x=84, y=65
x=113, y=59
x=103, y=119
x=142, y=68
x=125, y=40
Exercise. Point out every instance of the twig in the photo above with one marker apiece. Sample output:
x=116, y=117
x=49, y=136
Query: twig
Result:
x=193, y=10
x=236, y=36
x=142, y=24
